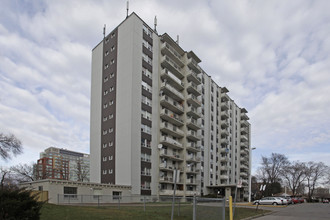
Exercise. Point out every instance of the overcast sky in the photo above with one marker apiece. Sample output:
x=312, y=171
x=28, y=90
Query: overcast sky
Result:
x=273, y=56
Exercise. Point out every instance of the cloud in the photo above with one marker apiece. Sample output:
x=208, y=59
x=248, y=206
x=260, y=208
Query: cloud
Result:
x=272, y=56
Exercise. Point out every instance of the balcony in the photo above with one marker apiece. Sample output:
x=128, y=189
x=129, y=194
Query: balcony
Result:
x=244, y=130
x=168, y=50
x=171, y=117
x=244, y=138
x=224, y=132
x=193, y=124
x=193, y=65
x=193, y=100
x=172, y=79
x=193, y=77
x=191, y=182
x=224, y=141
x=171, y=91
x=224, y=97
x=168, y=63
x=193, y=88
x=224, y=106
x=244, y=152
x=244, y=116
x=193, y=193
x=224, y=124
x=223, y=168
x=191, y=146
x=164, y=167
x=192, y=170
x=144, y=173
x=244, y=145
x=168, y=128
x=244, y=159
x=193, y=112
x=224, y=115
x=172, y=156
x=169, y=142
x=223, y=177
x=244, y=167
x=243, y=174
x=223, y=159
x=193, y=158
x=171, y=104
x=193, y=135
x=168, y=192
x=224, y=150
x=244, y=123
x=166, y=179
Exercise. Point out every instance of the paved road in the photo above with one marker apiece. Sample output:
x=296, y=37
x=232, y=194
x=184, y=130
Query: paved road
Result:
x=305, y=211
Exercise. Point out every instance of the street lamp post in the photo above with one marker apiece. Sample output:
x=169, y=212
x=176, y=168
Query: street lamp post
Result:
x=250, y=164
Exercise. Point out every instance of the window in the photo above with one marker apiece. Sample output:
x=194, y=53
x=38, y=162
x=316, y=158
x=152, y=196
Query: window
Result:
x=112, y=61
x=111, y=102
x=116, y=195
x=104, y=145
x=110, y=144
x=112, y=75
x=106, y=79
x=111, y=89
x=104, y=159
x=104, y=172
x=110, y=116
x=106, y=40
x=106, y=66
x=105, y=132
x=70, y=192
x=105, y=92
x=112, y=48
x=113, y=35
x=110, y=171
x=106, y=53
x=105, y=105
x=110, y=130
x=146, y=86
x=110, y=157
x=105, y=118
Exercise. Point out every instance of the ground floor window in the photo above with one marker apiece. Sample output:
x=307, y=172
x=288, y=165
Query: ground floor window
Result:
x=70, y=192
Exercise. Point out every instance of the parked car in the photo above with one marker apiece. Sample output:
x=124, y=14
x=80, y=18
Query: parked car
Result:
x=295, y=200
x=325, y=201
x=301, y=200
x=270, y=201
x=289, y=199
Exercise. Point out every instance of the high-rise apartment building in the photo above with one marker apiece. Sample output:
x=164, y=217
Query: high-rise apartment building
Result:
x=155, y=112
x=62, y=164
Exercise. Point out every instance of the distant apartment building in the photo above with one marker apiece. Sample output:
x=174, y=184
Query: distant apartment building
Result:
x=155, y=112
x=62, y=164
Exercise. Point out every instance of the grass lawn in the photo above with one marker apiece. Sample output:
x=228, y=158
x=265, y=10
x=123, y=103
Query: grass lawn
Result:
x=63, y=212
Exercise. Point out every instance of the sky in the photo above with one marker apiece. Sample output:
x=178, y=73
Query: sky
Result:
x=273, y=56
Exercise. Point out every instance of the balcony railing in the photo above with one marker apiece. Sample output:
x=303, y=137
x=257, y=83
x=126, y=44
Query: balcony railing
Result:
x=193, y=147
x=171, y=78
x=193, y=135
x=193, y=111
x=224, y=106
x=244, y=123
x=193, y=123
x=193, y=88
x=193, y=100
x=172, y=130
x=170, y=51
x=168, y=89
x=170, y=142
x=244, y=116
x=193, y=65
x=171, y=104
x=171, y=117
x=168, y=63
x=224, y=97
x=192, y=76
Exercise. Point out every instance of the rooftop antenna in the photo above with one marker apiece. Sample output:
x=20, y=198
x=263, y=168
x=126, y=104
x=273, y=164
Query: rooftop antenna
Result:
x=104, y=31
x=177, y=39
x=155, y=24
x=127, y=7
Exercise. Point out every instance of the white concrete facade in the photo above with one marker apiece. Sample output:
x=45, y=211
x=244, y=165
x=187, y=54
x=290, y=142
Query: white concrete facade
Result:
x=182, y=114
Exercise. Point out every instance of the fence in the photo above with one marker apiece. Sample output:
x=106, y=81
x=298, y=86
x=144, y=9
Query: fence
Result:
x=196, y=207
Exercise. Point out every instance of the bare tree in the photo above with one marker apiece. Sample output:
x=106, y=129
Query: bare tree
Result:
x=25, y=172
x=314, y=173
x=81, y=171
x=9, y=145
x=294, y=175
x=271, y=167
